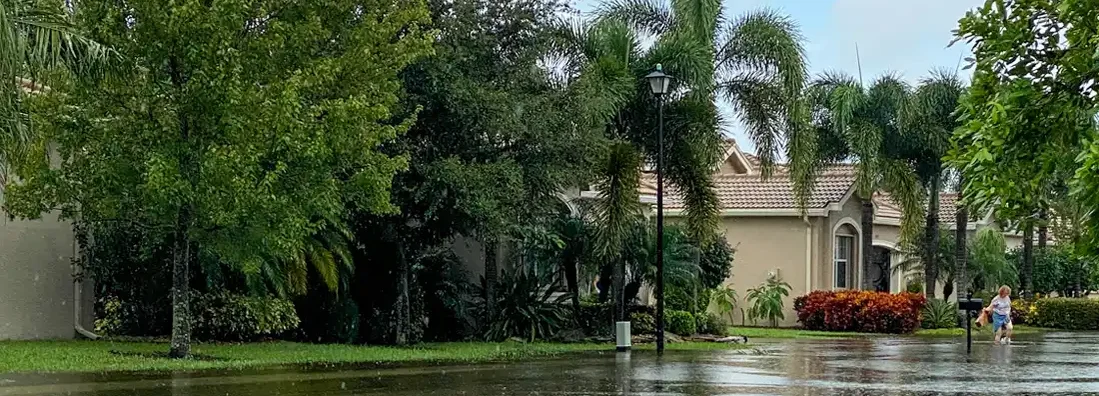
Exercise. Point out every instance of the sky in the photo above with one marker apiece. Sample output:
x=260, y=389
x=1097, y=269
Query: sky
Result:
x=904, y=37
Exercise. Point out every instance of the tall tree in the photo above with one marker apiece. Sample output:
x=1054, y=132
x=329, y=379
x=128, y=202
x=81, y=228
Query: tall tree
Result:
x=866, y=122
x=756, y=62
x=230, y=156
x=928, y=122
x=496, y=139
x=1030, y=105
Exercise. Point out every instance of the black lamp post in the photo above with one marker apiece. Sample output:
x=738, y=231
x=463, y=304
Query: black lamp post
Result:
x=660, y=84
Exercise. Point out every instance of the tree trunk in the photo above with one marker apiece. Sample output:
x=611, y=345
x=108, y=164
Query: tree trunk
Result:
x=867, y=248
x=948, y=288
x=573, y=284
x=606, y=276
x=961, y=257
x=181, y=288
x=402, y=307
x=1028, y=258
x=931, y=239
x=618, y=290
x=1043, y=229
x=491, y=274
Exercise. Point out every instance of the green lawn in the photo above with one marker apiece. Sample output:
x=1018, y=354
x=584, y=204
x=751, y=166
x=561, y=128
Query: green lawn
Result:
x=98, y=356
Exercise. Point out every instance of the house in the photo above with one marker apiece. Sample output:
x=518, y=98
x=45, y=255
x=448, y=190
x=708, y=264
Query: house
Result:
x=40, y=298
x=815, y=250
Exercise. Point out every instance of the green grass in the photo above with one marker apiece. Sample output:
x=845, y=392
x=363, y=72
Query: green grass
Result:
x=106, y=356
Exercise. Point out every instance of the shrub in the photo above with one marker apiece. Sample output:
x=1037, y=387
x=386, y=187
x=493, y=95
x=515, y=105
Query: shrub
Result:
x=528, y=307
x=939, y=314
x=329, y=320
x=1022, y=311
x=861, y=311
x=680, y=322
x=1066, y=313
x=595, y=318
x=230, y=317
x=708, y=323
x=767, y=299
x=914, y=286
x=642, y=323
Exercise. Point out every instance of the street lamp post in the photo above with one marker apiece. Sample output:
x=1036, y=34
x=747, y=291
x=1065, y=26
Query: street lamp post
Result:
x=660, y=84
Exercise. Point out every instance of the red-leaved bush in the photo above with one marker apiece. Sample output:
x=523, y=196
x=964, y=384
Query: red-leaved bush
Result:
x=861, y=311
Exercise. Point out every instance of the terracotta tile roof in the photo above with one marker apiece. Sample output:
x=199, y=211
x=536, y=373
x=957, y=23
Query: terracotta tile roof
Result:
x=888, y=208
x=752, y=192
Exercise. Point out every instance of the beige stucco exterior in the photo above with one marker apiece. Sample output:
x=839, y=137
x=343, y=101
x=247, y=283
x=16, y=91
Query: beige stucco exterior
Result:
x=765, y=245
x=37, y=287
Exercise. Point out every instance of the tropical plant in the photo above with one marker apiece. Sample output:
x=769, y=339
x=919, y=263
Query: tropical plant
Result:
x=527, y=307
x=990, y=267
x=726, y=302
x=37, y=38
x=767, y=299
x=756, y=62
x=867, y=122
x=681, y=323
x=939, y=314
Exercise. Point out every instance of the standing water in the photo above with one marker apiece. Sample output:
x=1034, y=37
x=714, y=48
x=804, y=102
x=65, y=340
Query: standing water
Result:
x=1051, y=364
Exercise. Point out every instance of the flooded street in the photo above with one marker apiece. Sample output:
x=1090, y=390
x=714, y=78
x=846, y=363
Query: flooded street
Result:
x=1053, y=364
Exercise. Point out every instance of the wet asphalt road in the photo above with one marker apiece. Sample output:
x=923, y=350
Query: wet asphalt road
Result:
x=1052, y=364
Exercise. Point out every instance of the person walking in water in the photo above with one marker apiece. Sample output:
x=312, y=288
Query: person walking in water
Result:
x=1001, y=316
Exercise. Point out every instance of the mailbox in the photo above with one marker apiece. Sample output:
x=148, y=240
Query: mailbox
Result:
x=970, y=304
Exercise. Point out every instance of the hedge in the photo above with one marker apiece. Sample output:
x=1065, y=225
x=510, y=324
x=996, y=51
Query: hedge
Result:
x=1065, y=313
x=680, y=322
x=860, y=311
x=220, y=317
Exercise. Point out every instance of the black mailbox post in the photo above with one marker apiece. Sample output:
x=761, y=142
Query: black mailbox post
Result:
x=970, y=306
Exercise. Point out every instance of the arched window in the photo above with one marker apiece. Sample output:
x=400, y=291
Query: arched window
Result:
x=844, y=259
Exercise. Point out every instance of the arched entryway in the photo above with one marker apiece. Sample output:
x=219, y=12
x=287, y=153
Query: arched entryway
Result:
x=881, y=265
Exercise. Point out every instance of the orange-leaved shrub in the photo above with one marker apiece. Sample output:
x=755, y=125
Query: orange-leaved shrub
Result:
x=860, y=311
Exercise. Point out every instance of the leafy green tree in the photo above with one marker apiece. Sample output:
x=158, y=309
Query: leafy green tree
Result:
x=766, y=300
x=37, y=39
x=866, y=122
x=231, y=129
x=494, y=144
x=755, y=62
x=1030, y=105
x=991, y=268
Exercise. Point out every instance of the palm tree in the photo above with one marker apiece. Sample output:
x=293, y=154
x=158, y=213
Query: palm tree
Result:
x=36, y=38
x=865, y=119
x=756, y=62
x=928, y=124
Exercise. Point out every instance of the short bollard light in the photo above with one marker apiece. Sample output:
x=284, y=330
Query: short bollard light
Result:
x=622, y=336
x=970, y=306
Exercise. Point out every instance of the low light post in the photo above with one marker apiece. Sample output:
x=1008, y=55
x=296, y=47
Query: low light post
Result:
x=660, y=84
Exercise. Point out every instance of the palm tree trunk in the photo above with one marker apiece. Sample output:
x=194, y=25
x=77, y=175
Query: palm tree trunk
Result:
x=618, y=290
x=867, y=248
x=961, y=222
x=573, y=284
x=181, y=288
x=1028, y=258
x=1043, y=229
x=491, y=274
x=931, y=239
x=948, y=288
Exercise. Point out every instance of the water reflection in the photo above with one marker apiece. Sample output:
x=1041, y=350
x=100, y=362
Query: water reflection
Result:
x=1060, y=363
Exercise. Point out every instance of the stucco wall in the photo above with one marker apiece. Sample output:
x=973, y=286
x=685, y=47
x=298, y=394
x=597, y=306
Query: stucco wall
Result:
x=36, y=286
x=765, y=244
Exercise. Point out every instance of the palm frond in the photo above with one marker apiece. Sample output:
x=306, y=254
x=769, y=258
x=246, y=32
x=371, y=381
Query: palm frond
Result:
x=765, y=42
x=903, y=185
x=699, y=19
x=617, y=206
x=652, y=17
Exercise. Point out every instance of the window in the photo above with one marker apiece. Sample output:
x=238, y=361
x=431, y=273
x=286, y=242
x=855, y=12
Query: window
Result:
x=842, y=253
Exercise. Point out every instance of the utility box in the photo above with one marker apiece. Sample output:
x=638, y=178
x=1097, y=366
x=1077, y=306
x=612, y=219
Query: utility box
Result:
x=622, y=336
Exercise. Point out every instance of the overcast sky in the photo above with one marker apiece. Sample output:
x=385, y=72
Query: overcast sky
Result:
x=906, y=37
